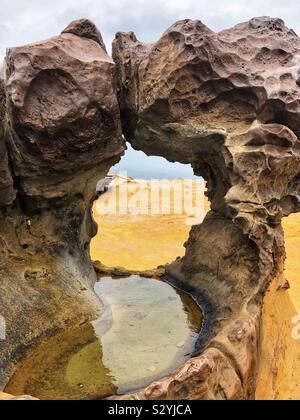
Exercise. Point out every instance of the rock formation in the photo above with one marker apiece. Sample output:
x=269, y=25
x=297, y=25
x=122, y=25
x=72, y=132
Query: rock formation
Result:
x=59, y=134
x=227, y=103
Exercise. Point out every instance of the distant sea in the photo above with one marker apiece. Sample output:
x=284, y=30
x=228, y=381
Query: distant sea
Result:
x=138, y=165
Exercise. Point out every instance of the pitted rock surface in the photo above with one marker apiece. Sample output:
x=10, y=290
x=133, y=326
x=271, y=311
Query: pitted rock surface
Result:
x=227, y=103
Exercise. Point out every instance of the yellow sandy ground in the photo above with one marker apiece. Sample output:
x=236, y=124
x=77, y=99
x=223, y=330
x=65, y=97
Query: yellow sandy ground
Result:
x=144, y=242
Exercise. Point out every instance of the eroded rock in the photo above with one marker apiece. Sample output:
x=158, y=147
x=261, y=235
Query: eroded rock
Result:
x=63, y=110
x=7, y=194
x=59, y=134
x=227, y=103
x=84, y=28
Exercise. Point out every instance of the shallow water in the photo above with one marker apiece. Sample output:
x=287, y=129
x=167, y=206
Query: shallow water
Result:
x=148, y=329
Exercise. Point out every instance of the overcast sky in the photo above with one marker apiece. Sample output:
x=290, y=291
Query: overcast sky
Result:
x=24, y=21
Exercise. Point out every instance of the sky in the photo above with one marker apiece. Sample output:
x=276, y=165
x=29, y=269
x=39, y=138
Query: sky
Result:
x=26, y=21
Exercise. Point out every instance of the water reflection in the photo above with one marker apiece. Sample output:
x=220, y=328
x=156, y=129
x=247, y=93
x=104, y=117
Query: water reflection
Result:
x=153, y=331
x=148, y=329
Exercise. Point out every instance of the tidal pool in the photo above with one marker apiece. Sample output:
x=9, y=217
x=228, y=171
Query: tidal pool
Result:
x=147, y=330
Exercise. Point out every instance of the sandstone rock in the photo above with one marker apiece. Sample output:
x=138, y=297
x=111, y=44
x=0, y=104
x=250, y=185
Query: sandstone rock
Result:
x=8, y=397
x=5, y=397
x=63, y=110
x=60, y=132
x=198, y=379
x=102, y=270
x=227, y=103
x=278, y=373
x=236, y=75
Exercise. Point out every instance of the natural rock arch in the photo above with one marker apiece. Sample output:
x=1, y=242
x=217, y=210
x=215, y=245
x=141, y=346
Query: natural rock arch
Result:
x=225, y=102
x=228, y=104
